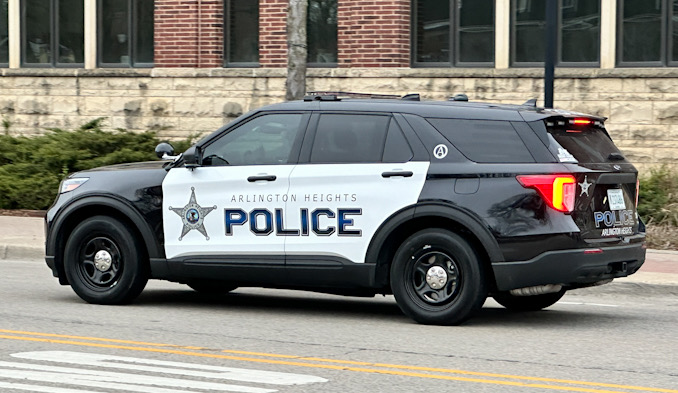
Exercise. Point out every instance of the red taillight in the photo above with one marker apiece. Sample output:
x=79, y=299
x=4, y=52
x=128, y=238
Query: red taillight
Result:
x=557, y=190
x=637, y=191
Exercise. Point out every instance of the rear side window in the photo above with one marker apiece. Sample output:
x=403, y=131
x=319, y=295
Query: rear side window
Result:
x=485, y=141
x=346, y=138
x=586, y=144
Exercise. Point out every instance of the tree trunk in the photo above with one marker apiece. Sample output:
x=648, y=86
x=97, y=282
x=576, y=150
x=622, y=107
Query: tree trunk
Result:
x=295, y=86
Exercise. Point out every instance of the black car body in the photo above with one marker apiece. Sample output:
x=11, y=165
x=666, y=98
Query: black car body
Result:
x=439, y=203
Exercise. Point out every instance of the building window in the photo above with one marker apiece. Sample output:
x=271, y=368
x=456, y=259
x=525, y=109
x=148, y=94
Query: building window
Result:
x=453, y=32
x=242, y=33
x=647, y=32
x=52, y=33
x=4, y=34
x=578, y=32
x=125, y=31
x=321, y=33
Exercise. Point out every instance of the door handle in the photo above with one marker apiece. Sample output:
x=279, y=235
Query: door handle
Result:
x=397, y=173
x=252, y=179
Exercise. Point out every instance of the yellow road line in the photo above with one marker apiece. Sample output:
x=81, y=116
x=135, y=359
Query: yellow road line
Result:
x=181, y=350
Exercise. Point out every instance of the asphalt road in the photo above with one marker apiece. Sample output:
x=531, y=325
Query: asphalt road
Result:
x=616, y=338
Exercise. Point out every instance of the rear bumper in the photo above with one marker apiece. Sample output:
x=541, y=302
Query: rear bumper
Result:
x=572, y=268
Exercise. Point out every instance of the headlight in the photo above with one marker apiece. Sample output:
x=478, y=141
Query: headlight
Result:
x=71, y=184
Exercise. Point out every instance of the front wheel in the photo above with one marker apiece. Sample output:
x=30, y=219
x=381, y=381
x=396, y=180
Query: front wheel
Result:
x=437, y=278
x=528, y=303
x=103, y=262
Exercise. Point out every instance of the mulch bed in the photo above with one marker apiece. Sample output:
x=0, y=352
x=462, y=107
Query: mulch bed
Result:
x=22, y=213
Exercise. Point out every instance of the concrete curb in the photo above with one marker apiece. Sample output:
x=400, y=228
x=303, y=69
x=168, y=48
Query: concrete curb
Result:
x=11, y=251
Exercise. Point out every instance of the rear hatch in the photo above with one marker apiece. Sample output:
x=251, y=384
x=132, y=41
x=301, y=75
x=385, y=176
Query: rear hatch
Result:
x=607, y=184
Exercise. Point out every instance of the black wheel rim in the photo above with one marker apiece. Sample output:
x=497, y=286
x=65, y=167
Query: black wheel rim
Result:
x=100, y=263
x=434, y=278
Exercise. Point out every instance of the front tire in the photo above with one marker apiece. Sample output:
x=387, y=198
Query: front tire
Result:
x=103, y=262
x=528, y=303
x=437, y=278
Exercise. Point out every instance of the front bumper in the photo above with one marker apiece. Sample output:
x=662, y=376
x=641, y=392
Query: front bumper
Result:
x=571, y=268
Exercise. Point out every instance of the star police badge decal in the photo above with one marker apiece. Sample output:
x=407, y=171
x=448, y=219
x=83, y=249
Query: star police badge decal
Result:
x=193, y=215
x=585, y=186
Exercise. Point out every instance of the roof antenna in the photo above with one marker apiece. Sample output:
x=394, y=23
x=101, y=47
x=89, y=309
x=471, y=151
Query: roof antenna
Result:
x=531, y=102
x=411, y=97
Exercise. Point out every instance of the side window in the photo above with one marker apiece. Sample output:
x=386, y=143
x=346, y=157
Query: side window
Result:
x=396, y=148
x=484, y=140
x=265, y=140
x=349, y=138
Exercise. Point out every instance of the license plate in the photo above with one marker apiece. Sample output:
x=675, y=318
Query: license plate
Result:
x=615, y=197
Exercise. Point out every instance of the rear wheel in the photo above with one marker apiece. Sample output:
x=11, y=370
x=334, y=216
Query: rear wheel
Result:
x=437, y=278
x=211, y=287
x=103, y=262
x=528, y=303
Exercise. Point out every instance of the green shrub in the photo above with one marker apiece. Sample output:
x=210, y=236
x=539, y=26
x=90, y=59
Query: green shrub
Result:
x=31, y=168
x=658, y=199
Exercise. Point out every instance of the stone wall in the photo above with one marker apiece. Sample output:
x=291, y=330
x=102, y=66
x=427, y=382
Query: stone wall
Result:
x=641, y=104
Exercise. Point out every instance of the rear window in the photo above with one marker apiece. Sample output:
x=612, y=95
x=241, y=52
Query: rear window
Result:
x=486, y=141
x=585, y=144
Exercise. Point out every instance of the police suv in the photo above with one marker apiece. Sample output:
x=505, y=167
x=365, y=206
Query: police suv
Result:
x=441, y=204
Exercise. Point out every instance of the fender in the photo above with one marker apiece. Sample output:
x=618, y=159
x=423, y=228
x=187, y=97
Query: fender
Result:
x=113, y=202
x=434, y=209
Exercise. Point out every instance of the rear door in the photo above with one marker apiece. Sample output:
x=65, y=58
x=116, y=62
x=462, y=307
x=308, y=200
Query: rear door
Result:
x=355, y=171
x=606, y=191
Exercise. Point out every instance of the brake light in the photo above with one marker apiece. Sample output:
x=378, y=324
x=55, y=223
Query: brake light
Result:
x=557, y=190
x=637, y=191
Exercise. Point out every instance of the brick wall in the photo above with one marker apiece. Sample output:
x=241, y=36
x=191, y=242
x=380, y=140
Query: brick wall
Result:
x=188, y=33
x=273, y=33
x=373, y=33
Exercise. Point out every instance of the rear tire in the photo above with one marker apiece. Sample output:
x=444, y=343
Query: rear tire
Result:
x=103, y=262
x=437, y=278
x=528, y=303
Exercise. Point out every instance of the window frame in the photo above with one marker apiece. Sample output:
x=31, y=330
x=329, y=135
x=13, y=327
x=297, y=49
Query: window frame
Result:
x=310, y=64
x=454, y=35
x=53, y=39
x=6, y=64
x=227, y=42
x=132, y=29
x=666, y=48
x=559, y=48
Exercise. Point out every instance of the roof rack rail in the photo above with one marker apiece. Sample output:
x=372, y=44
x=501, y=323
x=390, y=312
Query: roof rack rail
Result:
x=459, y=97
x=347, y=94
x=411, y=97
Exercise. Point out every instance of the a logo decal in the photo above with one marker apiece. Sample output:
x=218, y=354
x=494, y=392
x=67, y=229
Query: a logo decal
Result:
x=585, y=186
x=440, y=151
x=193, y=215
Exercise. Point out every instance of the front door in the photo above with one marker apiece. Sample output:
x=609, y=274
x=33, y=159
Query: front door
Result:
x=228, y=206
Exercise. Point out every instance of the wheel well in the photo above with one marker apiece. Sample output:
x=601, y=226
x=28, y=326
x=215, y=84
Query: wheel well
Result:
x=78, y=216
x=406, y=229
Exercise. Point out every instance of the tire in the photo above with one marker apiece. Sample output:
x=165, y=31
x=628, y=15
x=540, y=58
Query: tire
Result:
x=103, y=262
x=211, y=287
x=453, y=300
x=528, y=303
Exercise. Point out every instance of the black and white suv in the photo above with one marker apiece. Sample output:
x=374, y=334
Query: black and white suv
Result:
x=439, y=203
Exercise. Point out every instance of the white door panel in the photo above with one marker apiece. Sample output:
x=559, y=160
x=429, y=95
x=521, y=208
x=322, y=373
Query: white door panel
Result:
x=337, y=208
x=218, y=211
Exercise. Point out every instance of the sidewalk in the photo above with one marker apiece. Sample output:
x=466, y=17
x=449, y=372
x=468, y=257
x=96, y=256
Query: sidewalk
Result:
x=24, y=238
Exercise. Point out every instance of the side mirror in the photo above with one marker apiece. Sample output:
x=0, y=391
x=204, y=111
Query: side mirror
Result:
x=192, y=157
x=164, y=151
